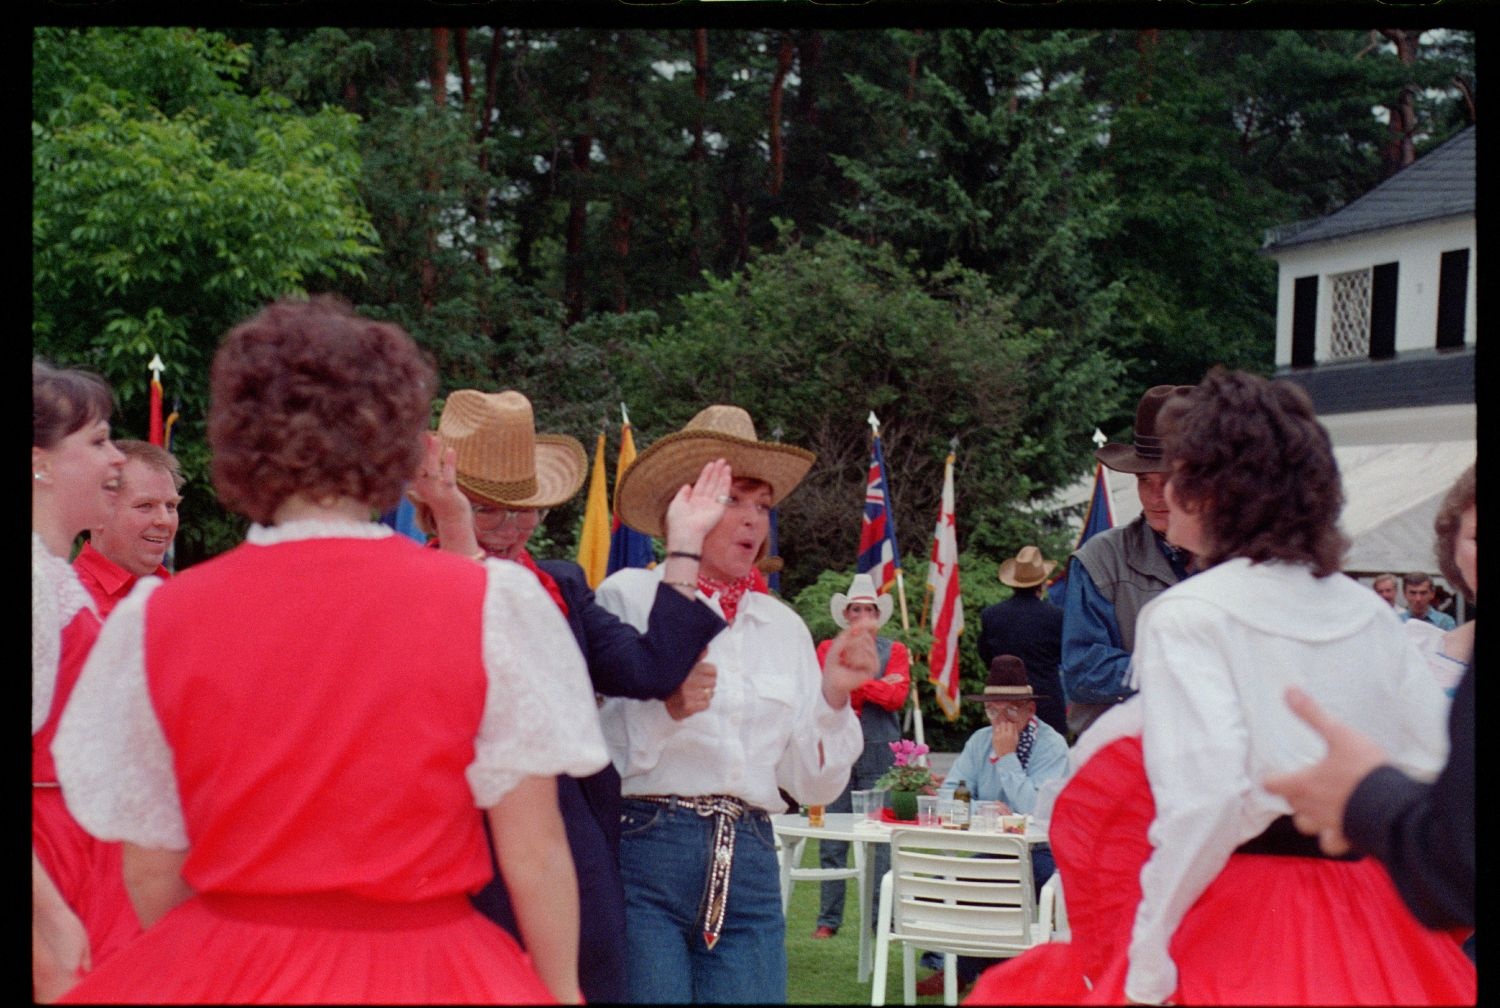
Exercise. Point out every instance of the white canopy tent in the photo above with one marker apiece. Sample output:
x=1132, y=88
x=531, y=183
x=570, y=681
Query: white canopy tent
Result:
x=1396, y=466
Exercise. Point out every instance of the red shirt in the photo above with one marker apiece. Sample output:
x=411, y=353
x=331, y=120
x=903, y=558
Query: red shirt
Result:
x=882, y=694
x=106, y=580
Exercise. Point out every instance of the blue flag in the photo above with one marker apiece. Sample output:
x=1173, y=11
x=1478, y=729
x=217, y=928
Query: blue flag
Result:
x=1100, y=516
x=878, y=555
x=403, y=518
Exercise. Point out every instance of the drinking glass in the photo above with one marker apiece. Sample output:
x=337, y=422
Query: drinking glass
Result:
x=878, y=799
x=860, y=803
x=927, y=810
x=986, y=817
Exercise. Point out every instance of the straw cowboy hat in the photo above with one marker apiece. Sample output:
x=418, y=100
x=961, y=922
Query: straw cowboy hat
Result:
x=1007, y=681
x=501, y=457
x=1027, y=570
x=861, y=589
x=675, y=459
x=1145, y=454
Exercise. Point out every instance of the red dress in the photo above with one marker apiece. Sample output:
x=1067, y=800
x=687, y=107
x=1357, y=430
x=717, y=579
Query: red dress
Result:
x=85, y=870
x=321, y=699
x=1269, y=929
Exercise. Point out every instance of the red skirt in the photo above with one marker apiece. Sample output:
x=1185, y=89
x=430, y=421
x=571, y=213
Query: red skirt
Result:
x=1268, y=930
x=87, y=872
x=319, y=949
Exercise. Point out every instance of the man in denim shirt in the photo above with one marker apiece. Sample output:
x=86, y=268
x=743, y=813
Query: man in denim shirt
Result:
x=1115, y=573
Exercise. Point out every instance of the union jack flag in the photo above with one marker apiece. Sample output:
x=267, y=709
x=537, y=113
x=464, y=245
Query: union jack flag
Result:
x=878, y=555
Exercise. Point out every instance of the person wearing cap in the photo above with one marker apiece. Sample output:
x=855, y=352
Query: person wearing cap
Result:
x=1028, y=626
x=1007, y=762
x=484, y=486
x=878, y=704
x=698, y=854
x=1115, y=573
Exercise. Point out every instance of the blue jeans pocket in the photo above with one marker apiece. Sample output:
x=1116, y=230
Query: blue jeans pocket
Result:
x=638, y=817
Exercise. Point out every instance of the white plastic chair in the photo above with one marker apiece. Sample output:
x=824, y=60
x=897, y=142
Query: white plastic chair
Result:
x=940, y=897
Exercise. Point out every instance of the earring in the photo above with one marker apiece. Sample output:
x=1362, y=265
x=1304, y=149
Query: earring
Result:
x=37, y=476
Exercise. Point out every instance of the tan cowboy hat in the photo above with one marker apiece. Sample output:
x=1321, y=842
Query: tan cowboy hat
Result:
x=502, y=458
x=1145, y=454
x=861, y=589
x=675, y=459
x=1027, y=570
x=1007, y=681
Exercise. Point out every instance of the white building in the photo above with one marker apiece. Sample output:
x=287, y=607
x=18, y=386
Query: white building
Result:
x=1376, y=319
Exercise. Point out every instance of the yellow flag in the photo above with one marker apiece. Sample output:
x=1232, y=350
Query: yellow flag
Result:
x=593, y=540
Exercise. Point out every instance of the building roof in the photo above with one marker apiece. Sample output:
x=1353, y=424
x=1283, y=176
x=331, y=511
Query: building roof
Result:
x=1438, y=184
x=1413, y=378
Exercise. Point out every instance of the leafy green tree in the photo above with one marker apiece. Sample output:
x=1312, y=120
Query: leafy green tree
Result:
x=166, y=205
x=812, y=338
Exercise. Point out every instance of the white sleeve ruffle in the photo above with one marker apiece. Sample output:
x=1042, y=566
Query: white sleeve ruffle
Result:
x=56, y=597
x=539, y=712
x=112, y=758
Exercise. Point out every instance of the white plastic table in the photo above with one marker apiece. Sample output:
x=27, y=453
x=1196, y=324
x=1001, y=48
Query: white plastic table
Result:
x=793, y=830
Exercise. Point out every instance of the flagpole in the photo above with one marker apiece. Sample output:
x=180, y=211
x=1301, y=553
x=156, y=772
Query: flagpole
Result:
x=891, y=510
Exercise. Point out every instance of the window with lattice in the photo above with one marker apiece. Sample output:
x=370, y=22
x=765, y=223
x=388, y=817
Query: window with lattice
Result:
x=1350, y=300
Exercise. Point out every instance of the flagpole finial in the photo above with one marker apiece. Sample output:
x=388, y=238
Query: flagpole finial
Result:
x=156, y=367
x=776, y=433
x=953, y=443
x=874, y=424
x=624, y=417
x=1099, y=439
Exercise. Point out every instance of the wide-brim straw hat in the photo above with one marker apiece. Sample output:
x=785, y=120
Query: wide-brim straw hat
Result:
x=1007, y=681
x=861, y=589
x=500, y=456
x=675, y=459
x=1028, y=568
x=1145, y=454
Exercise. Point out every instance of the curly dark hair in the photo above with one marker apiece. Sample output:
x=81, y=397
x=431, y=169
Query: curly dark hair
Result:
x=1460, y=498
x=64, y=400
x=1253, y=452
x=308, y=397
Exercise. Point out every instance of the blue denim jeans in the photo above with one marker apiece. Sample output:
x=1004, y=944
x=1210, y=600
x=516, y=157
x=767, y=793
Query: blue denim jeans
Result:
x=664, y=859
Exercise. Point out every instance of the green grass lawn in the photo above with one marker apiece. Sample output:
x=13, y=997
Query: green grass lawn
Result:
x=827, y=971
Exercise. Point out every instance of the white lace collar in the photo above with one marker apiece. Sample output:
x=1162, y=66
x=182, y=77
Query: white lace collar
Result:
x=316, y=528
x=60, y=578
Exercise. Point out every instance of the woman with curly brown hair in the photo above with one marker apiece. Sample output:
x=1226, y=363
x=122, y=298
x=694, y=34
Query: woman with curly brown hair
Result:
x=292, y=738
x=1186, y=880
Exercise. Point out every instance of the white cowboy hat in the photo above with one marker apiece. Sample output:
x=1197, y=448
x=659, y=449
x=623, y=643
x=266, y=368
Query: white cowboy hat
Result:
x=861, y=589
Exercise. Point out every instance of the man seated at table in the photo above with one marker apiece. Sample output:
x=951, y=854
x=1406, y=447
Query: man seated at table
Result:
x=1007, y=762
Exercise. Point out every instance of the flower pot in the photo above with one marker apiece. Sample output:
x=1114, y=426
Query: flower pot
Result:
x=904, y=804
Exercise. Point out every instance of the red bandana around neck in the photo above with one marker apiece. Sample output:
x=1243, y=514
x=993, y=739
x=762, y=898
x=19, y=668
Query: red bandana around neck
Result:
x=730, y=592
x=524, y=559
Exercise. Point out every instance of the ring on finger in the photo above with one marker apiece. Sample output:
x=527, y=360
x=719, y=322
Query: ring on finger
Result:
x=723, y=498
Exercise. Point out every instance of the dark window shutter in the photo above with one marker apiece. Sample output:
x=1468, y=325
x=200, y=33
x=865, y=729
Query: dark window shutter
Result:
x=1453, y=290
x=1304, y=321
x=1383, y=310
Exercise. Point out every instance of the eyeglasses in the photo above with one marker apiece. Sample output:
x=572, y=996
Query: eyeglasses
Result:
x=493, y=517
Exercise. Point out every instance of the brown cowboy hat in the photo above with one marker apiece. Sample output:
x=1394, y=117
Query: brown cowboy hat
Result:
x=501, y=457
x=1007, y=681
x=1145, y=454
x=675, y=459
x=1027, y=570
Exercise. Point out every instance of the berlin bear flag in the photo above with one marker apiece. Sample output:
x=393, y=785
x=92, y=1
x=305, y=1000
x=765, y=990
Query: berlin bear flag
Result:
x=947, y=605
x=877, y=533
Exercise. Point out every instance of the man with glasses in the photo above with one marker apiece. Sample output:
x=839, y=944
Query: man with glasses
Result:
x=485, y=484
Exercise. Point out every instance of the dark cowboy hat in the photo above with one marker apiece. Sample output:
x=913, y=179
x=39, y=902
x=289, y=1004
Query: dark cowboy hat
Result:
x=1007, y=681
x=1145, y=454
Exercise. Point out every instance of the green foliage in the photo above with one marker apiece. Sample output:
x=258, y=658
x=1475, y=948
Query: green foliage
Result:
x=812, y=338
x=167, y=205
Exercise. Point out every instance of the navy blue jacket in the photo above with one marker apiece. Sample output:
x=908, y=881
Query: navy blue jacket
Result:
x=1031, y=629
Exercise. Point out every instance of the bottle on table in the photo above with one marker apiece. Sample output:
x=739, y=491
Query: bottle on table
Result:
x=960, y=814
